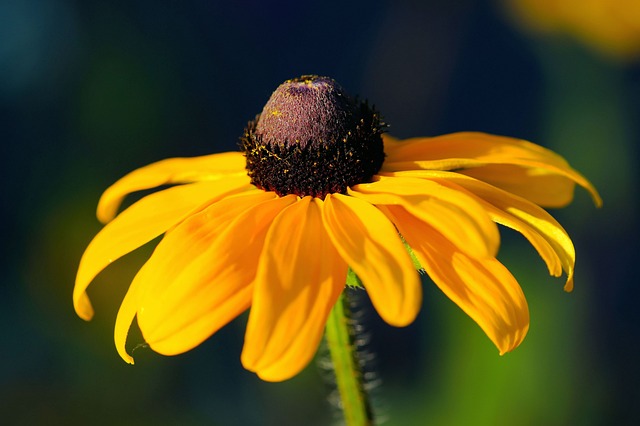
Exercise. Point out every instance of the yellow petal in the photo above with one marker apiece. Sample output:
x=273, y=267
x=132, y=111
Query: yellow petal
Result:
x=453, y=213
x=524, y=216
x=515, y=165
x=483, y=288
x=170, y=171
x=471, y=145
x=543, y=232
x=126, y=314
x=541, y=186
x=299, y=279
x=179, y=247
x=370, y=244
x=139, y=224
x=199, y=278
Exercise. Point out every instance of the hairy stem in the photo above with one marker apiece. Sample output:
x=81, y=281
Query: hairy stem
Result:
x=340, y=340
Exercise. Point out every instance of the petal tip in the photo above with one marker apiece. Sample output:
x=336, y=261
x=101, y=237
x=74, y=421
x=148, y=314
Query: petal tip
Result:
x=400, y=321
x=83, y=307
x=120, y=347
x=247, y=362
x=127, y=358
x=597, y=200
x=105, y=216
x=406, y=315
x=568, y=286
x=510, y=346
x=107, y=208
x=270, y=377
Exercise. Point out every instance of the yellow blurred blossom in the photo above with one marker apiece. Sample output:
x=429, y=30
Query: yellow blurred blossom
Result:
x=610, y=26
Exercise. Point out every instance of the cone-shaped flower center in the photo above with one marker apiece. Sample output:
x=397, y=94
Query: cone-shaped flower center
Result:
x=313, y=139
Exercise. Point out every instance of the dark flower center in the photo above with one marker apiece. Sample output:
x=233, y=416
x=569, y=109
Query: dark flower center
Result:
x=313, y=139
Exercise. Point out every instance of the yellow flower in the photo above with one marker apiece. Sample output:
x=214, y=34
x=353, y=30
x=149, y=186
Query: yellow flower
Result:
x=275, y=227
x=611, y=26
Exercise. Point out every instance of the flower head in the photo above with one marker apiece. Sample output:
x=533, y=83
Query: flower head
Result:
x=313, y=139
x=318, y=189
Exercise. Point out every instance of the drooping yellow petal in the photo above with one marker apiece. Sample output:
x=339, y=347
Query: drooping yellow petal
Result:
x=543, y=187
x=521, y=166
x=299, y=279
x=174, y=253
x=370, y=244
x=198, y=278
x=543, y=232
x=454, y=214
x=170, y=171
x=139, y=224
x=483, y=288
x=126, y=314
x=519, y=212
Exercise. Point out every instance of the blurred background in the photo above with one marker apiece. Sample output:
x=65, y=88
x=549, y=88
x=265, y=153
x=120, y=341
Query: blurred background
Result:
x=91, y=90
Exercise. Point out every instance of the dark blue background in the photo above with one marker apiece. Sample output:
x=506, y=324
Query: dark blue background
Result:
x=90, y=90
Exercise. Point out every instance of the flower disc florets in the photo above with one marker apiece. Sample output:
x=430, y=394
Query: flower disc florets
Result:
x=313, y=139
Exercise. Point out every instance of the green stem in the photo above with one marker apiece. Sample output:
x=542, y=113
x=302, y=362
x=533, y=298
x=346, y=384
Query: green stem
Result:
x=340, y=339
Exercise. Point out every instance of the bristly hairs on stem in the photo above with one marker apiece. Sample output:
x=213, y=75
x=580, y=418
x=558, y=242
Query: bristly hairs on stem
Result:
x=354, y=311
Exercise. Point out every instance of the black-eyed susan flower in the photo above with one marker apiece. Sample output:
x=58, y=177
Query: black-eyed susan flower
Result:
x=317, y=189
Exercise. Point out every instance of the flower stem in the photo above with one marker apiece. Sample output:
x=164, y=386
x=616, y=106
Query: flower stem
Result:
x=340, y=339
